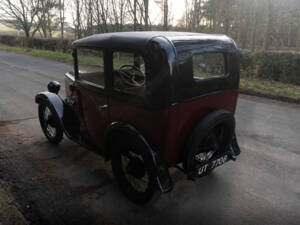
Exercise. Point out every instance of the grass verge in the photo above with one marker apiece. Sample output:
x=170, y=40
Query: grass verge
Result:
x=38, y=52
x=9, y=214
x=271, y=89
x=265, y=88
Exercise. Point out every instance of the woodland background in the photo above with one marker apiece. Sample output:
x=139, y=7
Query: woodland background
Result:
x=266, y=31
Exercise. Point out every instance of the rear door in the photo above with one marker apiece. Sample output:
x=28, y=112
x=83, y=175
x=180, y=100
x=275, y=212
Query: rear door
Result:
x=92, y=93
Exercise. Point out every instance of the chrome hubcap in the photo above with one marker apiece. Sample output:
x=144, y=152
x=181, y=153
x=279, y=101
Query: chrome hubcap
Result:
x=48, y=122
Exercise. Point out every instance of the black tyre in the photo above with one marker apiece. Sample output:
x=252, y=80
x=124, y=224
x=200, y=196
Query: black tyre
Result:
x=50, y=123
x=133, y=167
x=210, y=137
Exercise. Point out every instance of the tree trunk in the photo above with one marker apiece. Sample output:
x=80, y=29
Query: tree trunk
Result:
x=78, y=21
x=253, y=26
x=134, y=15
x=298, y=37
x=146, y=5
x=61, y=17
x=268, y=27
x=27, y=33
x=166, y=12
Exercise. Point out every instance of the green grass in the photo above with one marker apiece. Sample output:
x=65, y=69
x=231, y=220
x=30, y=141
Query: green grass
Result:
x=37, y=52
x=9, y=214
x=271, y=88
x=256, y=85
x=66, y=57
x=5, y=28
x=3, y=196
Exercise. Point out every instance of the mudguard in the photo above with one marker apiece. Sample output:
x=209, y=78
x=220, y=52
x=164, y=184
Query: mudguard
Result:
x=163, y=177
x=55, y=101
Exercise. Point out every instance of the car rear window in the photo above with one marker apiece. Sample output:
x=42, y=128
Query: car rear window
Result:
x=208, y=65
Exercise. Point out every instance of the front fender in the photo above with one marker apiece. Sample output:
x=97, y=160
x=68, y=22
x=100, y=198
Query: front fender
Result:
x=55, y=101
x=163, y=178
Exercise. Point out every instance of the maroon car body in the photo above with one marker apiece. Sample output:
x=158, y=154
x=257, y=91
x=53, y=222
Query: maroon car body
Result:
x=163, y=88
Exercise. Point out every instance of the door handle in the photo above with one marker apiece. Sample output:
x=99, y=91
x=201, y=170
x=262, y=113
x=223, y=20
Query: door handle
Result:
x=101, y=107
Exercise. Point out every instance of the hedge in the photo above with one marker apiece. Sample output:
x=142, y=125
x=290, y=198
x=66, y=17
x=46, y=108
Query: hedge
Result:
x=38, y=43
x=271, y=65
x=278, y=66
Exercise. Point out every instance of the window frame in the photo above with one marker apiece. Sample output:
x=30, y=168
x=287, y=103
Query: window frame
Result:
x=76, y=67
x=147, y=72
x=226, y=69
x=188, y=88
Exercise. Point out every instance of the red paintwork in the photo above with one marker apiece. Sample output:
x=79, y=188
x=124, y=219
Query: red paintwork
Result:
x=184, y=117
x=96, y=118
x=167, y=130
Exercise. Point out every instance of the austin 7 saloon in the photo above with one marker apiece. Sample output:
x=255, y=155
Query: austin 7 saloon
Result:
x=148, y=101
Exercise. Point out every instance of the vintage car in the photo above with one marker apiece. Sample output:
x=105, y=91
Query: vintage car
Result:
x=149, y=101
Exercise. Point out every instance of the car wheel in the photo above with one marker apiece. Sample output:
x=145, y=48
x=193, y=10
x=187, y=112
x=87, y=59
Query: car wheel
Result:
x=210, y=138
x=50, y=123
x=133, y=167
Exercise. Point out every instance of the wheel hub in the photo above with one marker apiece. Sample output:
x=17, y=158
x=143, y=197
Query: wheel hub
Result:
x=50, y=121
x=136, y=167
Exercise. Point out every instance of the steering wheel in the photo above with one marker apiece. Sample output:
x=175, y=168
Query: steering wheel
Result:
x=127, y=74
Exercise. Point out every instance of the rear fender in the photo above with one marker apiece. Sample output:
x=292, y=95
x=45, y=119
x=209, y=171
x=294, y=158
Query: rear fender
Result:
x=163, y=178
x=234, y=147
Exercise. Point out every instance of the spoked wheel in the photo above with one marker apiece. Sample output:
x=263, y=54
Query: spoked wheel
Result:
x=134, y=170
x=50, y=123
x=211, y=137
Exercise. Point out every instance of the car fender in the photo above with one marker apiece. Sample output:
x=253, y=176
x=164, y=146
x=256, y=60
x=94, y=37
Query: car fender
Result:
x=164, y=180
x=55, y=101
x=202, y=128
x=129, y=129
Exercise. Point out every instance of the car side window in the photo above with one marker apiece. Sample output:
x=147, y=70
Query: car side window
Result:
x=208, y=65
x=91, y=65
x=129, y=73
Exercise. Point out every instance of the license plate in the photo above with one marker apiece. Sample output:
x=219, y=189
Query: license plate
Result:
x=213, y=164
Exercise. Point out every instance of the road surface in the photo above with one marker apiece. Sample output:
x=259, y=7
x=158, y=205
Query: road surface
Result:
x=69, y=185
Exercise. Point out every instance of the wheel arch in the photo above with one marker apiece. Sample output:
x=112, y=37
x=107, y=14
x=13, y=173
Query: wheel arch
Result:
x=64, y=112
x=205, y=123
x=118, y=128
x=163, y=178
x=54, y=100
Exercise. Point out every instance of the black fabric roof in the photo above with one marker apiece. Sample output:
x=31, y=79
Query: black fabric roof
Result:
x=139, y=40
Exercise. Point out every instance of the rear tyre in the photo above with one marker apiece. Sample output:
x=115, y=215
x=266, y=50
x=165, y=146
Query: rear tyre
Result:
x=50, y=123
x=210, y=137
x=133, y=167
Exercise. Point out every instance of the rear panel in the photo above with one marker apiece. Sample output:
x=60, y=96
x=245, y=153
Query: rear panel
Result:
x=185, y=116
x=202, y=84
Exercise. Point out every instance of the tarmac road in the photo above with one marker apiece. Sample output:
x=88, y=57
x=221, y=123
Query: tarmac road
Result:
x=69, y=185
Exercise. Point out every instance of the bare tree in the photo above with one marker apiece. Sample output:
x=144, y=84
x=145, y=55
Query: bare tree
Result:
x=146, y=18
x=118, y=14
x=253, y=24
x=77, y=18
x=166, y=14
x=23, y=13
x=46, y=16
x=61, y=7
x=102, y=14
